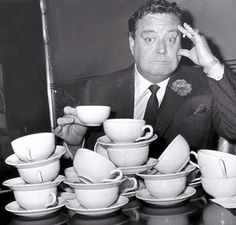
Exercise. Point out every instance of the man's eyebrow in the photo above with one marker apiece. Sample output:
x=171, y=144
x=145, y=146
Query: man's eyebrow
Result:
x=148, y=31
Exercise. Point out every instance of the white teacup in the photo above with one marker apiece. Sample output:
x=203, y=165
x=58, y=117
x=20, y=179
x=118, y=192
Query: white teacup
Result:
x=93, y=115
x=95, y=196
x=175, y=156
x=127, y=130
x=215, y=164
x=167, y=188
x=126, y=157
x=91, y=167
x=36, y=199
x=219, y=188
x=34, y=196
x=40, y=174
x=34, y=147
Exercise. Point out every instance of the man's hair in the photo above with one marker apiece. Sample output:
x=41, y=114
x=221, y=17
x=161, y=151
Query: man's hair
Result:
x=153, y=6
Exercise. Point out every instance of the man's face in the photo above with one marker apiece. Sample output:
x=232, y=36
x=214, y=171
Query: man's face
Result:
x=155, y=46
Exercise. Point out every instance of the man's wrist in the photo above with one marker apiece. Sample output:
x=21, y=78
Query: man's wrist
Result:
x=72, y=149
x=214, y=69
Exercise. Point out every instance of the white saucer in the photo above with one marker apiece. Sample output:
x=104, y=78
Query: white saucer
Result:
x=106, y=142
x=18, y=184
x=129, y=194
x=161, y=176
x=14, y=208
x=195, y=183
x=139, y=169
x=145, y=196
x=14, y=161
x=75, y=206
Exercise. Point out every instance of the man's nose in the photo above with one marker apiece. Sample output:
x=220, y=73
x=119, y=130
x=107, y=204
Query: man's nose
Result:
x=160, y=47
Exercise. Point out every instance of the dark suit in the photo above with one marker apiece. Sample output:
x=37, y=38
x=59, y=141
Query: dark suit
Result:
x=208, y=112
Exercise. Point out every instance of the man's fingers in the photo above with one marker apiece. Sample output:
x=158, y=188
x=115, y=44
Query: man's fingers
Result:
x=69, y=110
x=184, y=52
x=65, y=120
x=57, y=130
x=188, y=31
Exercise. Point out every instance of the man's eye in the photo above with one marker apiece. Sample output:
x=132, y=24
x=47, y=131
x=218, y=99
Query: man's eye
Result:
x=148, y=39
x=171, y=40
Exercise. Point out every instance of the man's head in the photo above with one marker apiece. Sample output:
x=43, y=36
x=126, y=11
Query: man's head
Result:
x=155, y=40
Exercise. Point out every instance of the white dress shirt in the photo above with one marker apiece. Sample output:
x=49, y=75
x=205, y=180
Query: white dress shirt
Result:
x=142, y=93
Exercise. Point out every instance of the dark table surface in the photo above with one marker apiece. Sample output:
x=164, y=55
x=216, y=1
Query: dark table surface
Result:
x=197, y=210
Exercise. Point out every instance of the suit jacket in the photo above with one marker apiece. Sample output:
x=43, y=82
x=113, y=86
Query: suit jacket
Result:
x=207, y=112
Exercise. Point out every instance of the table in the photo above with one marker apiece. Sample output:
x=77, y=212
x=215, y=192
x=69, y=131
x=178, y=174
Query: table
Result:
x=198, y=210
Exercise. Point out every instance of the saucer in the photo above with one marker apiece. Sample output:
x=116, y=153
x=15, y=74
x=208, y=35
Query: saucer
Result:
x=14, y=208
x=18, y=184
x=75, y=206
x=14, y=161
x=145, y=196
x=195, y=183
x=161, y=176
x=139, y=169
x=106, y=142
x=129, y=194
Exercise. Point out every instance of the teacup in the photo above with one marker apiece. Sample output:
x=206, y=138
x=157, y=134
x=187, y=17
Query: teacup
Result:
x=95, y=196
x=93, y=115
x=40, y=173
x=166, y=185
x=219, y=188
x=126, y=157
x=127, y=130
x=34, y=147
x=91, y=167
x=215, y=164
x=175, y=156
x=34, y=196
x=36, y=199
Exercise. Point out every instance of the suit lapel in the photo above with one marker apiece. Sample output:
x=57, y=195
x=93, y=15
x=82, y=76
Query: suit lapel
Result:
x=124, y=100
x=171, y=101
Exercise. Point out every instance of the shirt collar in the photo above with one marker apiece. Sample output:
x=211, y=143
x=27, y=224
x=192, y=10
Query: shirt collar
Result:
x=142, y=84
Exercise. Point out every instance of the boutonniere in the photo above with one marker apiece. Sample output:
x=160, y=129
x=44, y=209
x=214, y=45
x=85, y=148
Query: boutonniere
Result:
x=181, y=87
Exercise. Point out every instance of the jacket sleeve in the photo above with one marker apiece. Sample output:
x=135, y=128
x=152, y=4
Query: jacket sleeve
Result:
x=224, y=108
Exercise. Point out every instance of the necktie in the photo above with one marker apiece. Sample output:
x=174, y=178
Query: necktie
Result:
x=152, y=106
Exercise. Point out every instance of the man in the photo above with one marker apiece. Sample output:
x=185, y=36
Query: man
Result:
x=201, y=106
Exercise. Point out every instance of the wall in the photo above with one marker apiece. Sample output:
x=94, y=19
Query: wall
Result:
x=89, y=38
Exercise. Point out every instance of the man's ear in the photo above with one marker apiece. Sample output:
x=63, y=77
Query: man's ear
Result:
x=131, y=44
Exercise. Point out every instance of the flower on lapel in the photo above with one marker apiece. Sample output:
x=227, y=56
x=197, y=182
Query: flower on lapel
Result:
x=181, y=87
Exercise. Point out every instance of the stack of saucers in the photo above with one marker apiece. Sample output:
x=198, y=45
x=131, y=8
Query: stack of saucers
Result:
x=166, y=184
x=218, y=170
x=97, y=187
x=37, y=160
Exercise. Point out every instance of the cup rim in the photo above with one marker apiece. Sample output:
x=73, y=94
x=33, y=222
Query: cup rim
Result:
x=124, y=120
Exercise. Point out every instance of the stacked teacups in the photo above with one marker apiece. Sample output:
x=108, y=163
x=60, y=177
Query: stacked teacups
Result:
x=218, y=171
x=37, y=160
x=169, y=178
x=125, y=136
x=99, y=180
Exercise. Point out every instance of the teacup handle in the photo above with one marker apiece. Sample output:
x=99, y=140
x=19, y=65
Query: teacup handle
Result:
x=117, y=178
x=148, y=134
x=39, y=176
x=193, y=163
x=223, y=168
x=52, y=199
x=134, y=184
